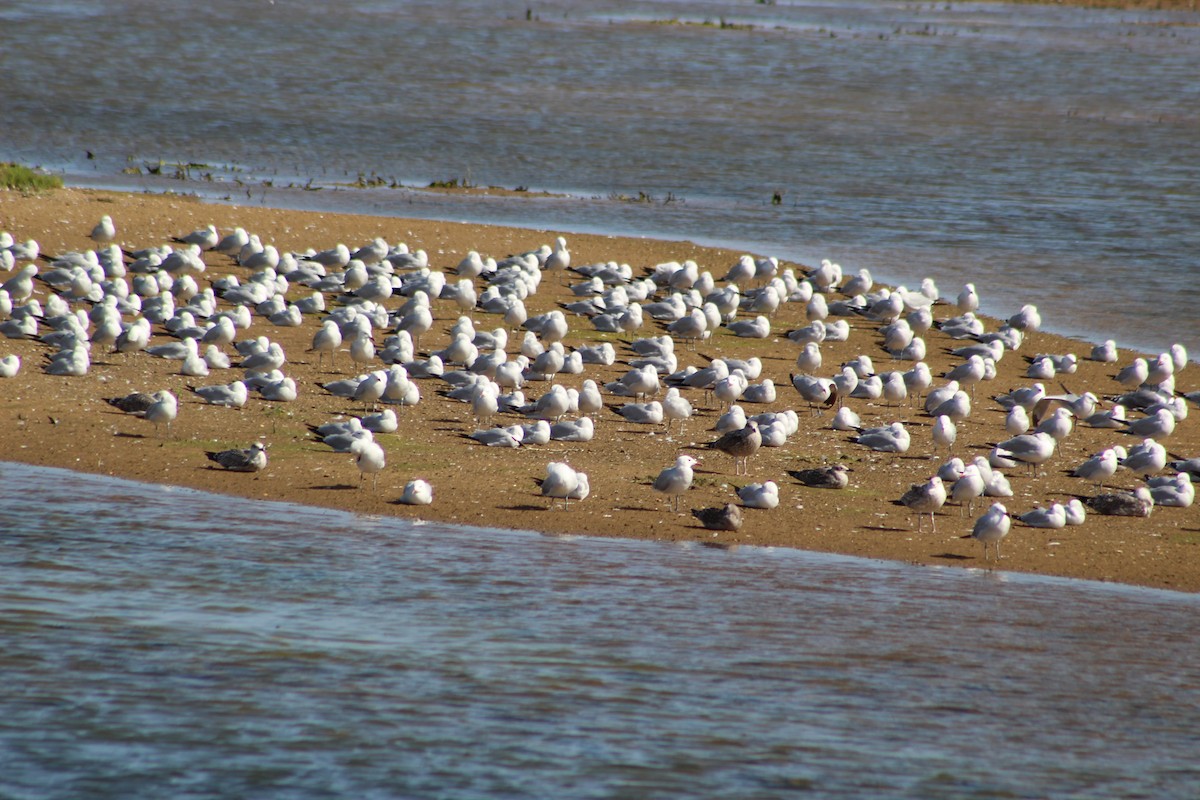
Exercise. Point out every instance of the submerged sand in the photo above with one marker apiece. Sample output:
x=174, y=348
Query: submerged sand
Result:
x=65, y=421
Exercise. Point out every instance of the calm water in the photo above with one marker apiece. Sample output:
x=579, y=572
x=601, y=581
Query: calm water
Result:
x=162, y=642
x=1051, y=155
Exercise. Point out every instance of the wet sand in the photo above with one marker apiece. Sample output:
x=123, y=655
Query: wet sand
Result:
x=65, y=422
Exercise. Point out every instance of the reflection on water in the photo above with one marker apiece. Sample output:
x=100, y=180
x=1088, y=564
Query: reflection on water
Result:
x=158, y=642
x=1021, y=147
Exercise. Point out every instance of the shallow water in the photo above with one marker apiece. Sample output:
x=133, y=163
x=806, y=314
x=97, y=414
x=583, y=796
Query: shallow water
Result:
x=165, y=642
x=1048, y=154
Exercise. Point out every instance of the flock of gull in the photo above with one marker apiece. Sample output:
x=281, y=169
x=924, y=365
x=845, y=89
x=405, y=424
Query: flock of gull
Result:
x=377, y=303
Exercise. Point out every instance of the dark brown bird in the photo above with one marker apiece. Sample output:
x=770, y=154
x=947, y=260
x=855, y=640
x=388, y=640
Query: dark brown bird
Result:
x=728, y=518
x=1123, y=504
x=741, y=444
x=831, y=477
x=136, y=403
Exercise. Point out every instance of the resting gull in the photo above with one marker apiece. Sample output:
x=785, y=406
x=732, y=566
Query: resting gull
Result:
x=250, y=459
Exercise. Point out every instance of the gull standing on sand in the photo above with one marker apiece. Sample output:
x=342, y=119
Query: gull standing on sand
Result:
x=1059, y=424
x=967, y=299
x=1016, y=421
x=819, y=393
x=370, y=459
x=968, y=373
x=1033, y=449
x=1134, y=374
x=164, y=409
x=591, y=402
x=676, y=479
x=809, y=360
x=250, y=459
x=327, y=339
x=925, y=498
x=563, y=482
x=969, y=486
x=944, y=432
x=991, y=528
x=675, y=407
x=957, y=407
x=1098, y=468
x=741, y=444
x=553, y=405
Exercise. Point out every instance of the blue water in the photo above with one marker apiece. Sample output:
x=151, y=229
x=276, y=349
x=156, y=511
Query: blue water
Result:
x=1048, y=154
x=163, y=642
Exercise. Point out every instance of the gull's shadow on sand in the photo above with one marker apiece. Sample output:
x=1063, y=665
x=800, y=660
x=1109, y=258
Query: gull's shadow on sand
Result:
x=885, y=529
x=335, y=487
x=526, y=507
x=124, y=435
x=953, y=556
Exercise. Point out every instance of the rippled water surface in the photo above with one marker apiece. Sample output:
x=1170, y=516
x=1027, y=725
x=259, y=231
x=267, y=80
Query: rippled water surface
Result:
x=162, y=642
x=1049, y=154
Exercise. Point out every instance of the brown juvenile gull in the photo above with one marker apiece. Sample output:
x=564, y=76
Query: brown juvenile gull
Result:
x=161, y=406
x=250, y=459
x=741, y=444
x=135, y=403
x=1123, y=504
x=925, y=498
x=728, y=518
x=831, y=477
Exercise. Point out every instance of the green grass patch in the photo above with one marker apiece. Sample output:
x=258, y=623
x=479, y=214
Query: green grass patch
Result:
x=24, y=179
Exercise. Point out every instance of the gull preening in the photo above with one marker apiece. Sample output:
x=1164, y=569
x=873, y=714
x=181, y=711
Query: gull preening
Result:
x=564, y=482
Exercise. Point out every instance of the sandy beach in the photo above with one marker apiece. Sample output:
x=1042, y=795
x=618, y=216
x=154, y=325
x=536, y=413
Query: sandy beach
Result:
x=65, y=421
